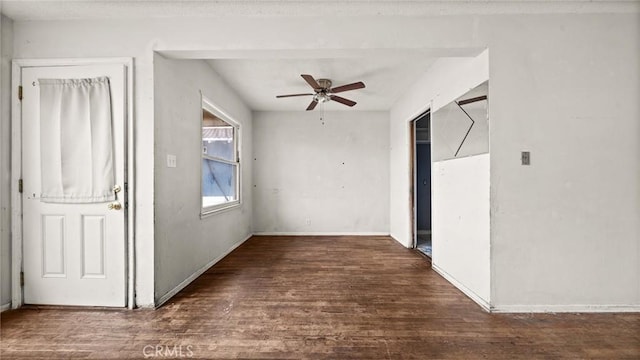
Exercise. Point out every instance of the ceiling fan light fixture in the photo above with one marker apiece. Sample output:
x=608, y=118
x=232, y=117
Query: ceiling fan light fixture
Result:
x=321, y=97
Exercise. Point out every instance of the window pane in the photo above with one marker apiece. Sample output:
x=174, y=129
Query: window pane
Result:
x=218, y=137
x=218, y=182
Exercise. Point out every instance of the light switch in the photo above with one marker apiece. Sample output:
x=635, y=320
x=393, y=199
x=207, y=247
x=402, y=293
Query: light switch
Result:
x=526, y=158
x=171, y=161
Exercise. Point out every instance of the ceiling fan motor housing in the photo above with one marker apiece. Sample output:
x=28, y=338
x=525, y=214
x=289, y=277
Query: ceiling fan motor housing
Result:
x=325, y=84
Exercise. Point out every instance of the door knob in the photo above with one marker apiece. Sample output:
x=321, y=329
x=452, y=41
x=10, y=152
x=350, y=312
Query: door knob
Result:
x=115, y=206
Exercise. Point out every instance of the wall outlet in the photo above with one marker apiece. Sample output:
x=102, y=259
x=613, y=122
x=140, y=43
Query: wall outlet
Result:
x=171, y=161
x=308, y=221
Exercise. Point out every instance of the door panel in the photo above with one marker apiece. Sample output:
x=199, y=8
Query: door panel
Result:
x=92, y=242
x=53, y=254
x=73, y=254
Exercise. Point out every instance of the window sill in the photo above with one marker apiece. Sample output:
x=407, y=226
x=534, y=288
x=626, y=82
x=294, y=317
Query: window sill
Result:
x=205, y=213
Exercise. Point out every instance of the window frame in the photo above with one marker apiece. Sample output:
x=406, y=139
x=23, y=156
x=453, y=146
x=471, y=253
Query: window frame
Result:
x=209, y=106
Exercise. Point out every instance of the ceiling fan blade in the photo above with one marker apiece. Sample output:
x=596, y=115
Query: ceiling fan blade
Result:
x=291, y=95
x=343, y=100
x=309, y=79
x=356, y=85
x=312, y=105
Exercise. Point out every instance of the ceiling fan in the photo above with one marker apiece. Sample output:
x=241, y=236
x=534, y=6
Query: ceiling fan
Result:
x=323, y=91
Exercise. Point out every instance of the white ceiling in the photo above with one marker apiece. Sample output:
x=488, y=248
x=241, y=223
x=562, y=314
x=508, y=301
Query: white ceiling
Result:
x=258, y=81
x=117, y=9
x=259, y=77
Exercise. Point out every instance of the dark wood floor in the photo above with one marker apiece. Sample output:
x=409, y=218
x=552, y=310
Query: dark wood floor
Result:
x=318, y=298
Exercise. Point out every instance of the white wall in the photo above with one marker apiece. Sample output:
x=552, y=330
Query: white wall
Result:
x=138, y=38
x=445, y=81
x=452, y=130
x=6, y=54
x=460, y=187
x=99, y=39
x=186, y=244
x=460, y=229
x=321, y=177
x=565, y=230
x=572, y=236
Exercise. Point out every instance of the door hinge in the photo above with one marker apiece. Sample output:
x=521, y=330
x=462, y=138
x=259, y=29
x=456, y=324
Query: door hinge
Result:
x=126, y=191
x=20, y=92
x=21, y=278
x=20, y=186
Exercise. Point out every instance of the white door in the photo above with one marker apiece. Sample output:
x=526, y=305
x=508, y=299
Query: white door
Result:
x=73, y=254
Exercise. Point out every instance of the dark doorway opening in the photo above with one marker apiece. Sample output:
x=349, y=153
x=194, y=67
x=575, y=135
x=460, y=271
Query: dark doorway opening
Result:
x=422, y=184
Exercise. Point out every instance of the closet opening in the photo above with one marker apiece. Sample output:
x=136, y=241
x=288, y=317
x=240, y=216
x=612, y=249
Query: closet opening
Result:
x=421, y=171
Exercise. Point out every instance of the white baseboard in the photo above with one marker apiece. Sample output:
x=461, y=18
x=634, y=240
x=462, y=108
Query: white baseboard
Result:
x=565, y=308
x=320, y=233
x=472, y=295
x=5, y=307
x=146, y=306
x=196, y=274
x=408, y=246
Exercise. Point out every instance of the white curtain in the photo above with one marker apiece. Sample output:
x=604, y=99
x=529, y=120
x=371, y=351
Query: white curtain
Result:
x=76, y=142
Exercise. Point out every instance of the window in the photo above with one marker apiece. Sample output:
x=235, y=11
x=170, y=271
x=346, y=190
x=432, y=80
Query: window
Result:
x=220, y=160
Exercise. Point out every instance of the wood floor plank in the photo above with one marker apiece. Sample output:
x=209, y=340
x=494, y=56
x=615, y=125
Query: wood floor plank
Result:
x=317, y=298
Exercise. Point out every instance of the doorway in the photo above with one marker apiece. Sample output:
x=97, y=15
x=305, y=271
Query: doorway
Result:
x=422, y=183
x=70, y=240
